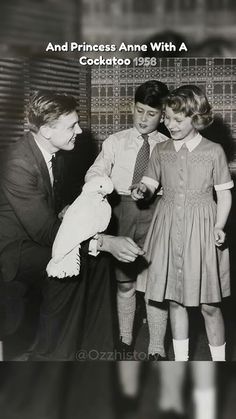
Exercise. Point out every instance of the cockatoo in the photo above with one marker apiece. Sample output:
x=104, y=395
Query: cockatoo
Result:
x=88, y=215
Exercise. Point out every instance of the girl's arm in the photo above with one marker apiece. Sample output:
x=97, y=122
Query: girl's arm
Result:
x=224, y=201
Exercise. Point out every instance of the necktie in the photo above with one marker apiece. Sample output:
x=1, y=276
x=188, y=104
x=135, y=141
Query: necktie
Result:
x=56, y=185
x=141, y=160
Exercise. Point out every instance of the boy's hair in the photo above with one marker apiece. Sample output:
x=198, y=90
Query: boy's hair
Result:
x=47, y=107
x=151, y=93
x=192, y=101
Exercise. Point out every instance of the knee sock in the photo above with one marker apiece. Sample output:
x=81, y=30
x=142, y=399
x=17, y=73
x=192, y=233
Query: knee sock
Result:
x=157, y=322
x=181, y=349
x=204, y=403
x=217, y=352
x=126, y=305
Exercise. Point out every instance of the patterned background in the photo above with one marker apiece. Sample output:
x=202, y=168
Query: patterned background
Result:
x=18, y=77
x=112, y=91
x=105, y=94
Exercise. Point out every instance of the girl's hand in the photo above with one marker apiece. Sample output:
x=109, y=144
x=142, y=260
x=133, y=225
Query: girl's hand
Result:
x=138, y=191
x=219, y=236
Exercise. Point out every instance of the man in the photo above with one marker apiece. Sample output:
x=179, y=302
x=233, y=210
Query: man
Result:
x=31, y=204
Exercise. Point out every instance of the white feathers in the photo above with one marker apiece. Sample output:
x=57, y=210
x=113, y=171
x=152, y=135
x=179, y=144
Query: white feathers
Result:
x=89, y=214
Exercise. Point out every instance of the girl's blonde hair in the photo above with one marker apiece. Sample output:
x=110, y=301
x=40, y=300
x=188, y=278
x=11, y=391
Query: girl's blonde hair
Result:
x=192, y=101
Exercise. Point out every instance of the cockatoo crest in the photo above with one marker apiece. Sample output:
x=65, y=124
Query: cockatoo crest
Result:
x=100, y=184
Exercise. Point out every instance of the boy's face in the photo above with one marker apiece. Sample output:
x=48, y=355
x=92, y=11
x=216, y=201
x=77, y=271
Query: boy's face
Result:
x=179, y=125
x=146, y=119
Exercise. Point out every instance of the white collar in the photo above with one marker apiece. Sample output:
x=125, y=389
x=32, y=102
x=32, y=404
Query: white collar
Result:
x=47, y=156
x=151, y=136
x=191, y=144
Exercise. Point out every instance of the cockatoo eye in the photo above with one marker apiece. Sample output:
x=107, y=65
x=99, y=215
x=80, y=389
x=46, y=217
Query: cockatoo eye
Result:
x=100, y=186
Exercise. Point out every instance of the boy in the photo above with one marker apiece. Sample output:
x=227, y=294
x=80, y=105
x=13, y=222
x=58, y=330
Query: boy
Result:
x=124, y=157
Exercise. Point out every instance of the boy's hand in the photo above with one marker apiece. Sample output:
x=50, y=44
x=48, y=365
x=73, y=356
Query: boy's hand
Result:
x=123, y=249
x=219, y=235
x=138, y=191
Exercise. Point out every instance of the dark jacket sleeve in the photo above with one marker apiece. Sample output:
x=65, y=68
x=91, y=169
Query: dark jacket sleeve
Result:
x=24, y=189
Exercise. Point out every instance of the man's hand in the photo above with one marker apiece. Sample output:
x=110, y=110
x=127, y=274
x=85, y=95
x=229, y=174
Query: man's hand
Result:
x=123, y=249
x=139, y=191
x=219, y=235
x=62, y=213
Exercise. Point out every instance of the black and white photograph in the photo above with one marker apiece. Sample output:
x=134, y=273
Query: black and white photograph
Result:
x=117, y=209
x=108, y=253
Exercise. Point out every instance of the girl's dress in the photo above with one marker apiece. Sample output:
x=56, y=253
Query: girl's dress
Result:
x=184, y=263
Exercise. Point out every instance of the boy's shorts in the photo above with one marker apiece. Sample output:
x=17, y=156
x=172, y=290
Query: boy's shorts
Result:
x=132, y=219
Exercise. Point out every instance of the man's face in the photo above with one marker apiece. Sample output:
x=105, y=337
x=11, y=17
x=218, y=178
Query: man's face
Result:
x=179, y=125
x=146, y=118
x=63, y=132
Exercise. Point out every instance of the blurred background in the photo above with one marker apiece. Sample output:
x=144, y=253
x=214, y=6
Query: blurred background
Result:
x=92, y=390
x=207, y=26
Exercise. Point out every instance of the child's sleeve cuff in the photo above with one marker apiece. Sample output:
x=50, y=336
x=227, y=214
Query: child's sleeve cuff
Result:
x=152, y=183
x=93, y=246
x=224, y=186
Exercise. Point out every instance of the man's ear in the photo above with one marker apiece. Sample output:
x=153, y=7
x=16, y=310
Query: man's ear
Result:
x=45, y=131
x=132, y=105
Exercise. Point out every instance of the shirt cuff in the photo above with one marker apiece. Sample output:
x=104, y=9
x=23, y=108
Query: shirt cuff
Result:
x=224, y=186
x=152, y=183
x=93, y=251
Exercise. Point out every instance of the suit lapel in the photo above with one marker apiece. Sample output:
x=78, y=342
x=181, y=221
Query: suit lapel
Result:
x=38, y=157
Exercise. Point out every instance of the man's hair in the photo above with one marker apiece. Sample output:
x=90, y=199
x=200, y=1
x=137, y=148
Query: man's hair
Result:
x=192, y=101
x=46, y=107
x=151, y=93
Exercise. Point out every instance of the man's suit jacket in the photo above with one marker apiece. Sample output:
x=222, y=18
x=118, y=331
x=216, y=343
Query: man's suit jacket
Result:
x=26, y=203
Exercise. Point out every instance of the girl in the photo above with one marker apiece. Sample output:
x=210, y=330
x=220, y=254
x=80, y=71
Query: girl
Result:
x=188, y=259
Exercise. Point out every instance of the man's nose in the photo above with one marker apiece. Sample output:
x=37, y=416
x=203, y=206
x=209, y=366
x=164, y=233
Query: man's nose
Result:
x=78, y=130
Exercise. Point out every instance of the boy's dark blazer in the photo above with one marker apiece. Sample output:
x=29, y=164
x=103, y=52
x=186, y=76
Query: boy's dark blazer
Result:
x=26, y=203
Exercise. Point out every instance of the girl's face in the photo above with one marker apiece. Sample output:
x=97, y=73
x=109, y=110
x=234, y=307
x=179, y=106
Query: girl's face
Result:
x=179, y=125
